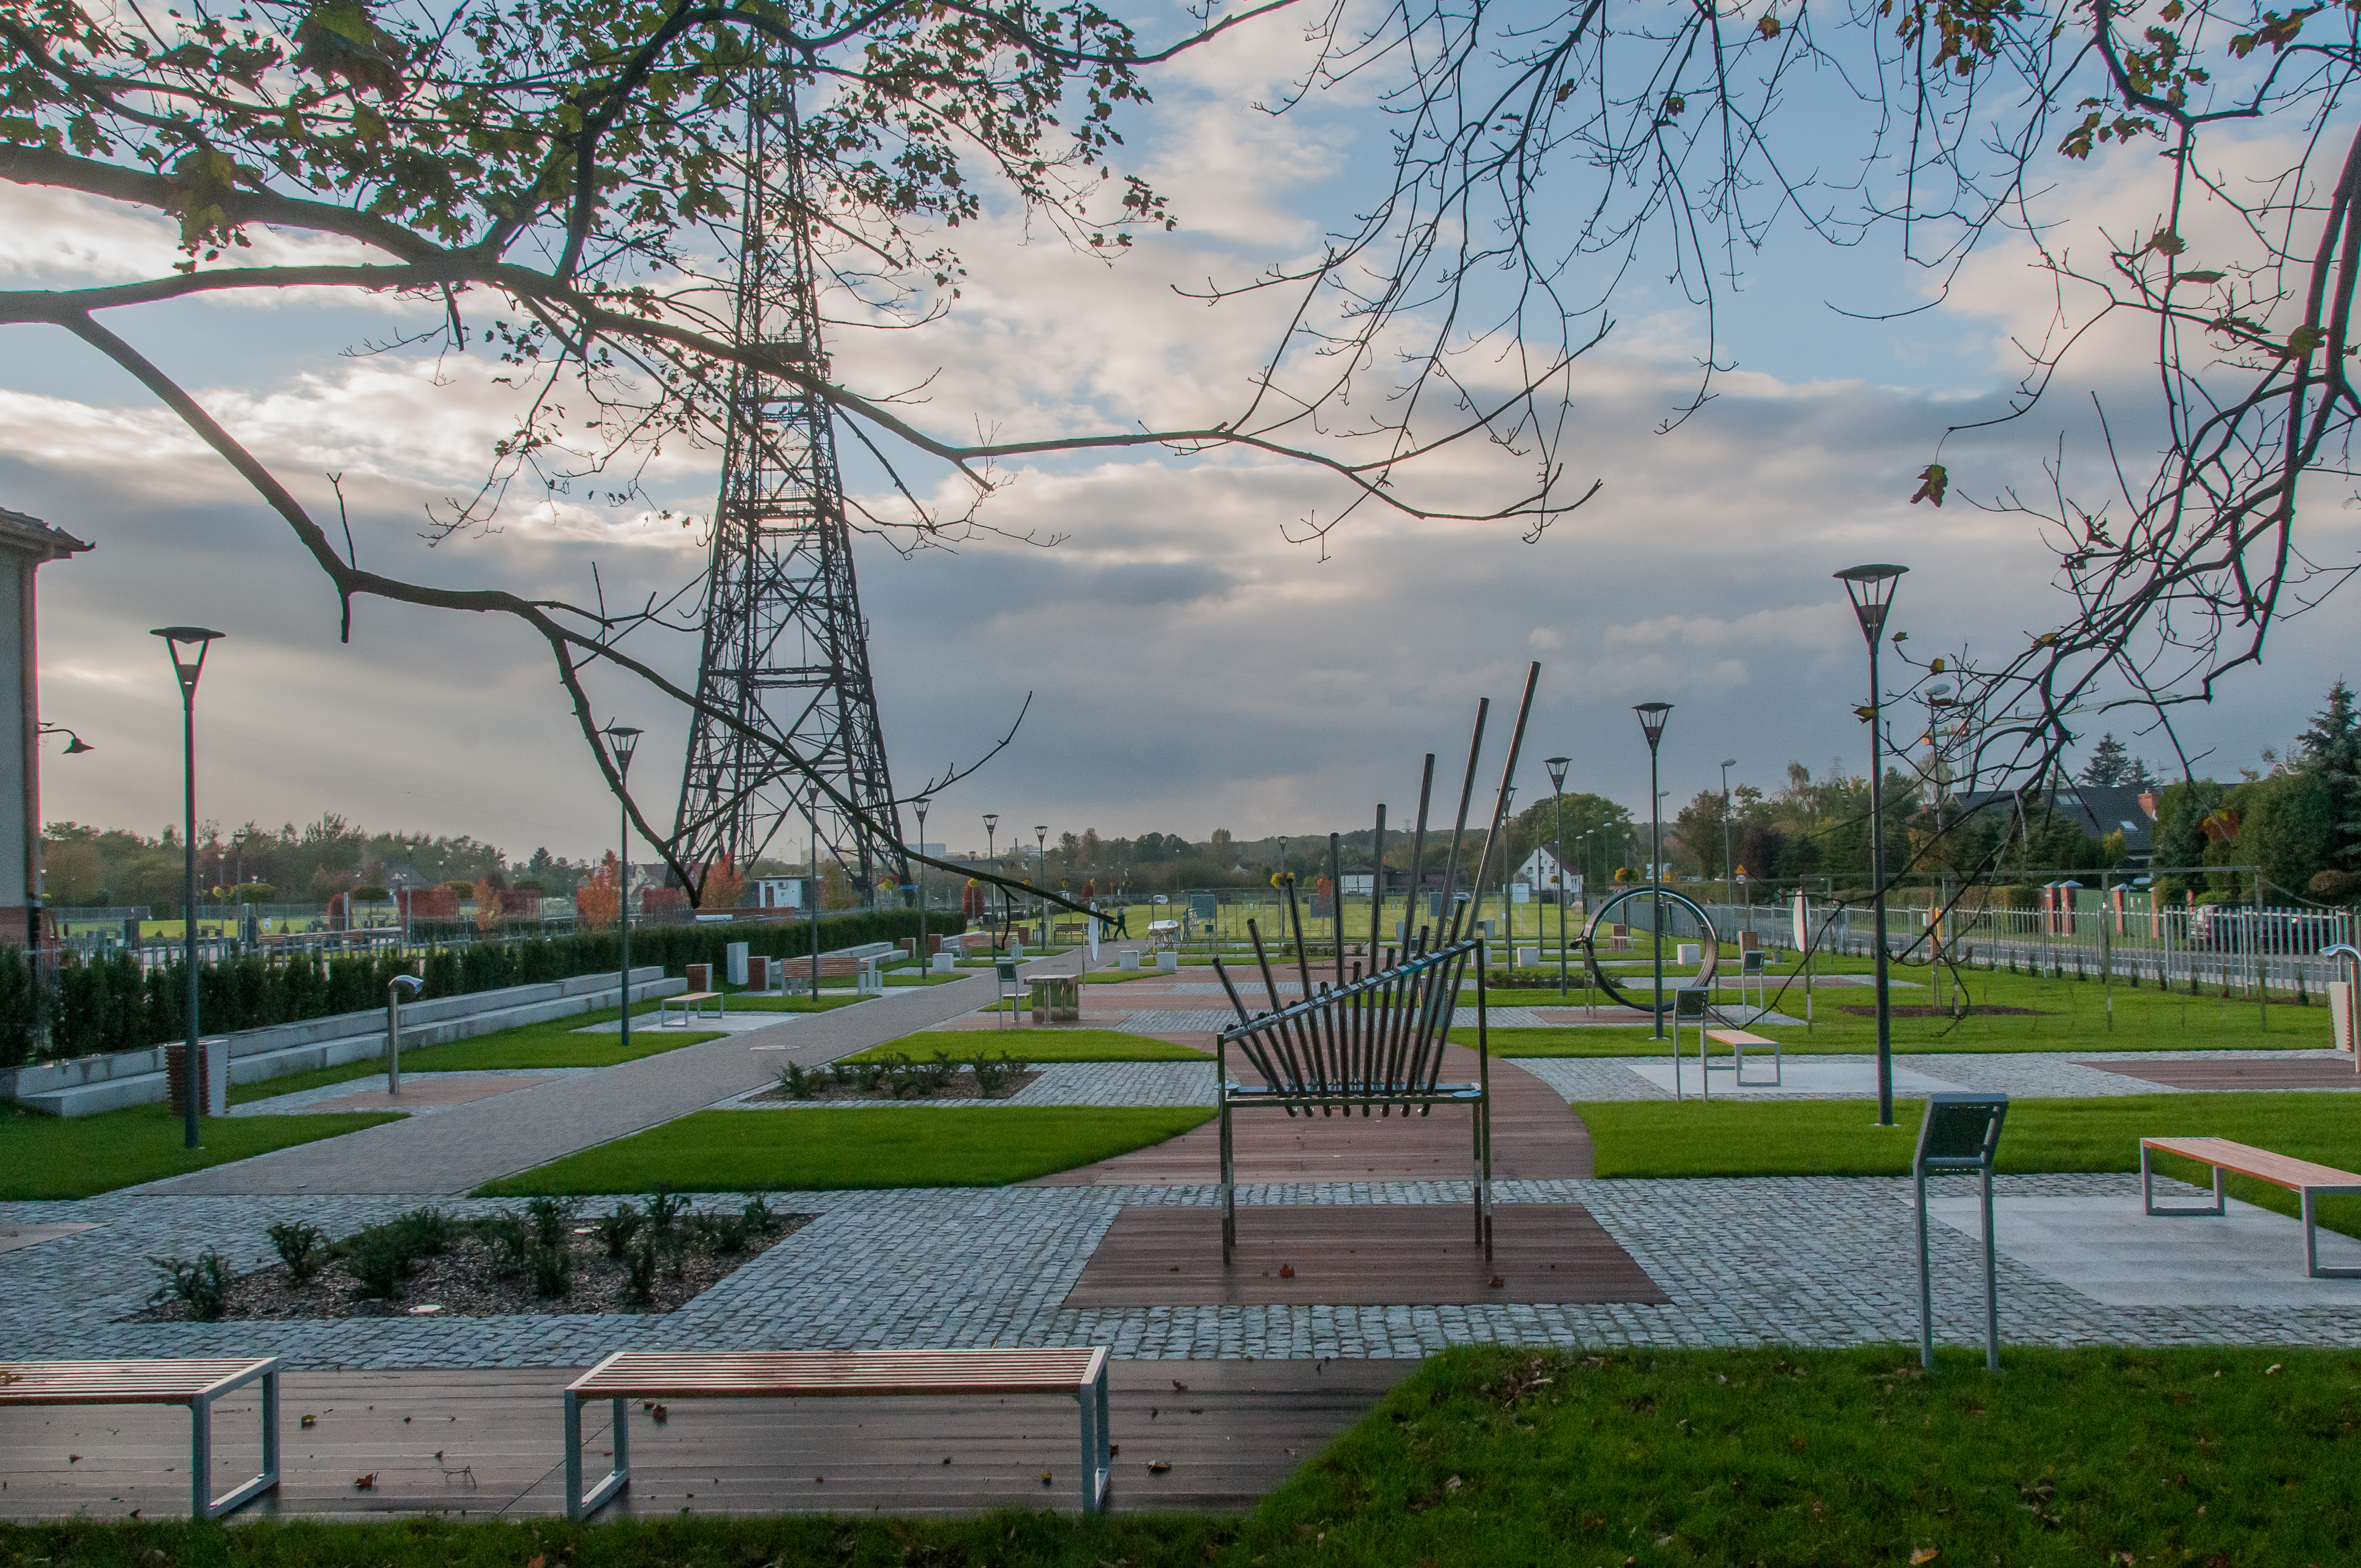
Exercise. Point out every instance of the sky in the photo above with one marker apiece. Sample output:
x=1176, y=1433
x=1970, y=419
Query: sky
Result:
x=1189, y=668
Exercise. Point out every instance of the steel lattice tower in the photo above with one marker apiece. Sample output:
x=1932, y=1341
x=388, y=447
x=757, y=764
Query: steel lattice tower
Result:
x=786, y=646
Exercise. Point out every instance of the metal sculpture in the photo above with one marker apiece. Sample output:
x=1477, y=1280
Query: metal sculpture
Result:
x=785, y=652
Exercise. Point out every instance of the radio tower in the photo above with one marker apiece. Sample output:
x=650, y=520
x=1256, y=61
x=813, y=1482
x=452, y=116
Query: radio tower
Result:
x=785, y=647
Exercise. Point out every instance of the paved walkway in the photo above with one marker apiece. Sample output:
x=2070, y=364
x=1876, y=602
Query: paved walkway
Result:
x=469, y=1145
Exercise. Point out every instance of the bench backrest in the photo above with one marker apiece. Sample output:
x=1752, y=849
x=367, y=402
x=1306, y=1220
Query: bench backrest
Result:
x=1381, y=1035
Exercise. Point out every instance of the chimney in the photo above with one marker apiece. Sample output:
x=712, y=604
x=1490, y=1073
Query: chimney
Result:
x=2147, y=802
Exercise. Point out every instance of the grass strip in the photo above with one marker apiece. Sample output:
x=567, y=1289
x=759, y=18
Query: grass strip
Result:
x=832, y=1148
x=79, y=1156
x=1035, y=1045
x=1840, y=1138
x=557, y=1043
x=1493, y=1455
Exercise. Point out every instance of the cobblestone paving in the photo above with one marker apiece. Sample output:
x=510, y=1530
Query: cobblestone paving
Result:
x=2028, y=1075
x=1166, y=1020
x=1785, y=1260
x=1060, y=1083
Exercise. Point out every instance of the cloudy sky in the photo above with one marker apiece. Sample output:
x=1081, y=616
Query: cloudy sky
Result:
x=1189, y=668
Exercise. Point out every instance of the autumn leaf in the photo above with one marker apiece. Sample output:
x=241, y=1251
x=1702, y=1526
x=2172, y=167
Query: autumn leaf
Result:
x=1933, y=480
x=365, y=1483
x=1924, y=1554
x=2303, y=343
x=1936, y=664
x=2203, y=276
x=2168, y=242
x=1768, y=26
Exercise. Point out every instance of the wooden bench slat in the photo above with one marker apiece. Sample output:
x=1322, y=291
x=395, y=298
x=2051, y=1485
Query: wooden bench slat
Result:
x=120, y=1382
x=2243, y=1160
x=784, y=1372
x=1737, y=1037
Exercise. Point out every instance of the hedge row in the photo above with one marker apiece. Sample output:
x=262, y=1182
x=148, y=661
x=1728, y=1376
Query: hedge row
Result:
x=111, y=1004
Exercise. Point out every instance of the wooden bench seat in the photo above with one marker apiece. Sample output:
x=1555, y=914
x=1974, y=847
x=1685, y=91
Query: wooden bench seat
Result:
x=688, y=1001
x=2300, y=1176
x=1079, y=1372
x=195, y=1383
x=1740, y=1042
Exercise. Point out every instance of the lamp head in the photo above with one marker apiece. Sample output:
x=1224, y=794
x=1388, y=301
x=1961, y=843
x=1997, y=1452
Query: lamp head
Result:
x=1871, y=589
x=1730, y=761
x=186, y=665
x=623, y=740
x=919, y=806
x=991, y=820
x=76, y=745
x=1652, y=720
x=1557, y=766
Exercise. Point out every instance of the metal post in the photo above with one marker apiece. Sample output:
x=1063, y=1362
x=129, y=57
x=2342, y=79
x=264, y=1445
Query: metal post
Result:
x=186, y=671
x=1557, y=766
x=1728, y=891
x=623, y=740
x=1871, y=589
x=393, y=991
x=925, y=963
x=1652, y=724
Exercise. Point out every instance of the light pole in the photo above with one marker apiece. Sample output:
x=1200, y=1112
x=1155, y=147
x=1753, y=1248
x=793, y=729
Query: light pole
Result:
x=1727, y=764
x=1041, y=871
x=1651, y=725
x=622, y=740
x=1871, y=589
x=186, y=669
x=926, y=959
x=992, y=846
x=1557, y=766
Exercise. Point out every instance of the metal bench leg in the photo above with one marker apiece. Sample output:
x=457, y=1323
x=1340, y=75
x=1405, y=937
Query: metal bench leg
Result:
x=1229, y=1190
x=1098, y=1462
x=203, y=1504
x=2148, y=1195
x=577, y=1504
x=2311, y=1246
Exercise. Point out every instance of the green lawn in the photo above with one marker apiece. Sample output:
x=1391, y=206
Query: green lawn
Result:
x=1036, y=1044
x=77, y=1156
x=2054, y=1015
x=557, y=1043
x=1840, y=1138
x=1655, y=1459
x=1119, y=976
x=830, y=1149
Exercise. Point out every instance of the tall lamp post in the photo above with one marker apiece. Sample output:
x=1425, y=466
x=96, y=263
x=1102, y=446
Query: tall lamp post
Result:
x=1557, y=766
x=622, y=740
x=1041, y=870
x=992, y=845
x=1728, y=894
x=186, y=668
x=1871, y=589
x=926, y=959
x=1651, y=725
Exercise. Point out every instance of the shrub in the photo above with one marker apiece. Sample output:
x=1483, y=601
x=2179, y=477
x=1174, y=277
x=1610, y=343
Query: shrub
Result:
x=758, y=1216
x=303, y=1248
x=640, y=1271
x=552, y=1268
x=795, y=1083
x=203, y=1285
x=995, y=1074
x=721, y=1234
x=615, y=1231
x=508, y=1236
x=378, y=1260
x=665, y=1211
x=553, y=1218
x=424, y=1233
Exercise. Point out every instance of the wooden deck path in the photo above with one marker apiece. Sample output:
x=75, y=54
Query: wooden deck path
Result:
x=2257, y=1074
x=1536, y=1136
x=1359, y=1255
x=487, y=1444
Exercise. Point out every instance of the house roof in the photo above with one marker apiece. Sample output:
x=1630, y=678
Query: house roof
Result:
x=2098, y=810
x=31, y=536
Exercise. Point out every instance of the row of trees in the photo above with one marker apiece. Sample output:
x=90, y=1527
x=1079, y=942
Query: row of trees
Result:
x=86, y=867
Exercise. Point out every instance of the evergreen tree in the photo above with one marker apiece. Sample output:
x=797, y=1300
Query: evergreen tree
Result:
x=2111, y=763
x=2331, y=748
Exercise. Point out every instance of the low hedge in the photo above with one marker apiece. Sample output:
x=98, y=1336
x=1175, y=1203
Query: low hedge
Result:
x=112, y=1004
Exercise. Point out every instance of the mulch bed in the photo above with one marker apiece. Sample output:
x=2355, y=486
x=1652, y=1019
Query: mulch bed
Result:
x=469, y=1280
x=961, y=1085
x=1978, y=1011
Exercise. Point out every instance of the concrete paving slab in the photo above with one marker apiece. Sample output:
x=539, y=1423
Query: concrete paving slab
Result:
x=2105, y=1247
x=1801, y=1079
x=15, y=1236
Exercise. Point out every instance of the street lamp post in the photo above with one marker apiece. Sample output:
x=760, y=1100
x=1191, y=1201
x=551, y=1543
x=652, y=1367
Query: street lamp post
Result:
x=926, y=959
x=1651, y=725
x=1557, y=766
x=1727, y=892
x=992, y=846
x=1041, y=870
x=186, y=668
x=1871, y=589
x=622, y=740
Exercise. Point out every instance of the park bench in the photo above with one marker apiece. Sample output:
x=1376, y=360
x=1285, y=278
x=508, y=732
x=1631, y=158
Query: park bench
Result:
x=1740, y=1042
x=688, y=1001
x=1374, y=1043
x=1079, y=1371
x=2300, y=1176
x=195, y=1383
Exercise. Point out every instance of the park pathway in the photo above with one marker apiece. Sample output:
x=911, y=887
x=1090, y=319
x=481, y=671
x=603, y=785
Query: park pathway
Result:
x=461, y=1148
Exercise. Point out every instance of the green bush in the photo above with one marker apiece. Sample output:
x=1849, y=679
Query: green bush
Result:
x=103, y=1004
x=203, y=1285
x=301, y=1248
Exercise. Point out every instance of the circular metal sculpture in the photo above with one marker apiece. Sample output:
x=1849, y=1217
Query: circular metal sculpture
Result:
x=1708, y=938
